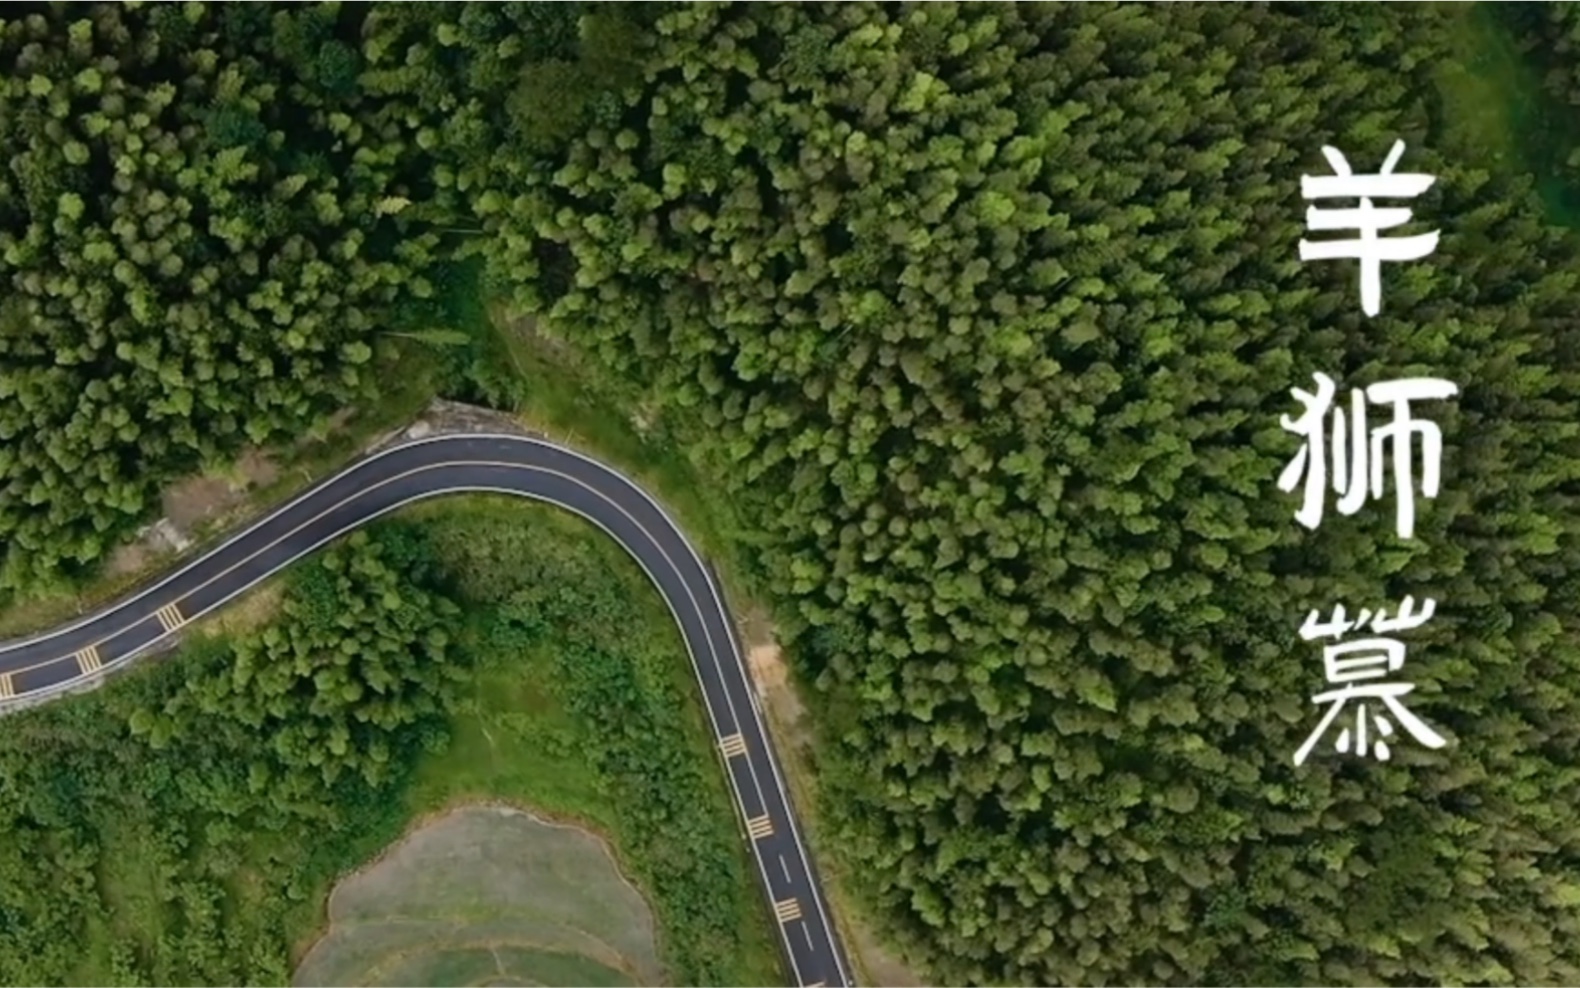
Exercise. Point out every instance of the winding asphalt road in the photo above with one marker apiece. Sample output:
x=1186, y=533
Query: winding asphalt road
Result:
x=55, y=661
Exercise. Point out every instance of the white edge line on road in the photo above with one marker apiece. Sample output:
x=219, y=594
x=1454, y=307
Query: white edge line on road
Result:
x=354, y=466
x=426, y=495
x=357, y=466
x=740, y=663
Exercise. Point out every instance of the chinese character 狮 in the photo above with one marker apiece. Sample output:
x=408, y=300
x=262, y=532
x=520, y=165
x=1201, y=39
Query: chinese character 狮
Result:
x=1358, y=458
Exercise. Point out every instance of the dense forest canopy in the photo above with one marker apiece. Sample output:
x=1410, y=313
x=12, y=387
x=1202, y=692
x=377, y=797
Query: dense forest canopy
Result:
x=986, y=316
x=199, y=240
x=994, y=312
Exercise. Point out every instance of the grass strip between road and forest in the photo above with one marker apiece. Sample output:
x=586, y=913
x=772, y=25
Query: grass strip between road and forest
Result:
x=136, y=863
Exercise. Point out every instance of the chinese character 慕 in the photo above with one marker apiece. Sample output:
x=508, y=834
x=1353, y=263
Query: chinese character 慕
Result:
x=1350, y=664
x=1358, y=457
x=1368, y=220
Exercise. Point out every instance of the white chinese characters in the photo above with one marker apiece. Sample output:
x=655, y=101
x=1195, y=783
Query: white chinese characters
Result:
x=1358, y=456
x=1349, y=454
x=1367, y=220
x=1354, y=667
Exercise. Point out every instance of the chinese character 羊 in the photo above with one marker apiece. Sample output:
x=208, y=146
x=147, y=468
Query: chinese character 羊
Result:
x=1367, y=220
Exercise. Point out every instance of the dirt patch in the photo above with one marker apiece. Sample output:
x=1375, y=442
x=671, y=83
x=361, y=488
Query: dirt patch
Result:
x=453, y=416
x=487, y=888
x=881, y=965
x=190, y=502
x=196, y=499
x=767, y=665
x=128, y=559
x=771, y=675
x=756, y=626
x=252, y=610
x=257, y=469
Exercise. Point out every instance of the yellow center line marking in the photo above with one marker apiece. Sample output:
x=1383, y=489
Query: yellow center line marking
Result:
x=360, y=493
x=760, y=827
x=732, y=743
x=170, y=616
x=787, y=910
x=88, y=660
x=7, y=688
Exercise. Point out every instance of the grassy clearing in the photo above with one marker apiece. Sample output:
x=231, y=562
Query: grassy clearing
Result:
x=501, y=966
x=521, y=737
x=168, y=880
x=448, y=904
x=552, y=969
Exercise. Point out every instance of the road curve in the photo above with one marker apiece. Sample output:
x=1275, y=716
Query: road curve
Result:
x=376, y=484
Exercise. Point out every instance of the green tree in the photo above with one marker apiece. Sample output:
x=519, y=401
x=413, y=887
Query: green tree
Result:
x=191, y=253
x=987, y=315
x=365, y=655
